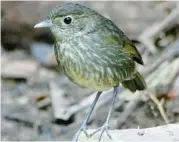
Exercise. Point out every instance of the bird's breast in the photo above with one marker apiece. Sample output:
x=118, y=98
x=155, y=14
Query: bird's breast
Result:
x=90, y=67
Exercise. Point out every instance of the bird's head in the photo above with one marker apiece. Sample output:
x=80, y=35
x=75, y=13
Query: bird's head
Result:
x=70, y=19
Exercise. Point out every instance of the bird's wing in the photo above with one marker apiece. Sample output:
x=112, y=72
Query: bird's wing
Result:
x=117, y=37
x=130, y=49
x=127, y=46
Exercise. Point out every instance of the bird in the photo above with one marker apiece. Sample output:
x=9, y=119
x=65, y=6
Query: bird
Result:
x=93, y=53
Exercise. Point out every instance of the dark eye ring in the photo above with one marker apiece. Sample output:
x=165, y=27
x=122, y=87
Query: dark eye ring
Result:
x=67, y=20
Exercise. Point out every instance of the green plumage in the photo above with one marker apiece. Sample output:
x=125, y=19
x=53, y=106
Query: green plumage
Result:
x=93, y=52
x=138, y=83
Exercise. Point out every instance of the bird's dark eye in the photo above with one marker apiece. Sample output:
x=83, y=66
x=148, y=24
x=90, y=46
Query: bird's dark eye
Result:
x=67, y=20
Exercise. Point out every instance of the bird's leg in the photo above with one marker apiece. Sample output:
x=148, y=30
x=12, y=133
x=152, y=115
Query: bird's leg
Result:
x=83, y=127
x=105, y=127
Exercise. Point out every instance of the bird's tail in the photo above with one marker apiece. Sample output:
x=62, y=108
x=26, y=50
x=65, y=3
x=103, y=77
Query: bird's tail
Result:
x=138, y=83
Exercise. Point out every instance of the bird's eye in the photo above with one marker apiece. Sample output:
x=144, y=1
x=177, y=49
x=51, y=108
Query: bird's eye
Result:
x=67, y=20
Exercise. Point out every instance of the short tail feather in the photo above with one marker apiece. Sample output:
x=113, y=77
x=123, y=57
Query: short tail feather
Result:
x=138, y=83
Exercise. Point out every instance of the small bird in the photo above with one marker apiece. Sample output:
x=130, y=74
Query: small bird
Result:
x=94, y=53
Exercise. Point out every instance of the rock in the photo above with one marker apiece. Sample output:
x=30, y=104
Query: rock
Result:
x=19, y=69
x=23, y=114
x=59, y=102
x=46, y=132
x=18, y=65
x=11, y=131
x=161, y=133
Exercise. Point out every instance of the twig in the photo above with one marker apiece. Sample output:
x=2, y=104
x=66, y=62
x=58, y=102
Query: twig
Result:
x=170, y=51
x=160, y=106
x=146, y=36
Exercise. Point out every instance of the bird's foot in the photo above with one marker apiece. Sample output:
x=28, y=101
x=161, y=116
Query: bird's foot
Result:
x=83, y=128
x=104, y=128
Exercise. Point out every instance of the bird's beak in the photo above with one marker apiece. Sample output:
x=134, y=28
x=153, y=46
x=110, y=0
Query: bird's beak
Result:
x=44, y=24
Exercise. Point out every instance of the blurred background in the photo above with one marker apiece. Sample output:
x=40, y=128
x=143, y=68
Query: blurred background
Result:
x=39, y=103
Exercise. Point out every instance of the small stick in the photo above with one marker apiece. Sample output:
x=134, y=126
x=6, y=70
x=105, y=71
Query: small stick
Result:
x=159, y=106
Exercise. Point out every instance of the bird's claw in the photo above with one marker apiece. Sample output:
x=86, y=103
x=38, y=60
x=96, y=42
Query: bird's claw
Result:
x=104, y=128
x=82, y=129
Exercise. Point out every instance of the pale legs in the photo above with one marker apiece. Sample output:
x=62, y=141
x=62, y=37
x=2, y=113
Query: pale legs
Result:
x=83, y=127
x=105, y=127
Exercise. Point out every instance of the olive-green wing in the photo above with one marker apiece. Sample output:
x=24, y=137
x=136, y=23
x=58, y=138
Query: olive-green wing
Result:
x=127, y=46
x=117, y=37
x=130, y=49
